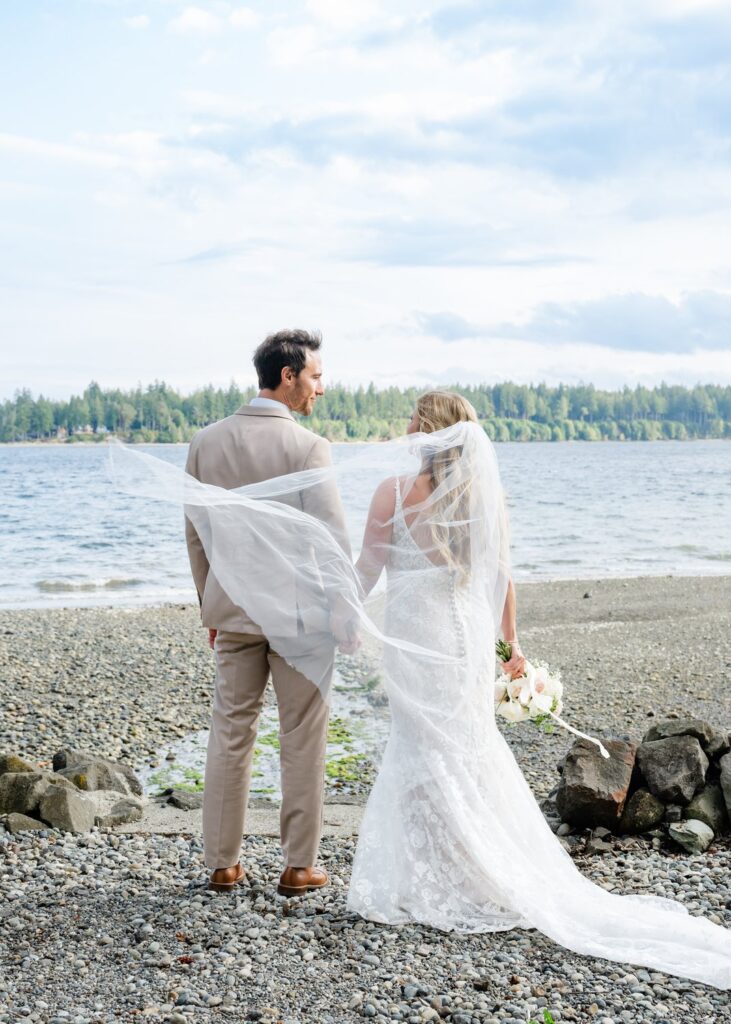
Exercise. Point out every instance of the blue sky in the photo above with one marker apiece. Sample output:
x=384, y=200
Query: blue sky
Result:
x=468, y=191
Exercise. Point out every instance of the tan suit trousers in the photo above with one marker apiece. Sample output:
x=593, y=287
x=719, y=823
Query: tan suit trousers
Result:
x=244, y=663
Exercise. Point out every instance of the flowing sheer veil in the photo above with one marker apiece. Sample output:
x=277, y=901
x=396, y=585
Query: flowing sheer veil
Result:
x=452, y=835
x=290, y=574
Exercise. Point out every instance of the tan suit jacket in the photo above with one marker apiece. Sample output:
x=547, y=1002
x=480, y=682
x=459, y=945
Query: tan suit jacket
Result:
x=256, y=443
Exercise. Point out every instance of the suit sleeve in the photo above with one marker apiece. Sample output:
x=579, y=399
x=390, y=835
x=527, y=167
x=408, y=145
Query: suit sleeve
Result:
x=323, y=501
x=196, y=555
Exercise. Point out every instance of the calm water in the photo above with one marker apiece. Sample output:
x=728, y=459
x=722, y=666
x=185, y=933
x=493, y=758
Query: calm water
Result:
x=577, y=510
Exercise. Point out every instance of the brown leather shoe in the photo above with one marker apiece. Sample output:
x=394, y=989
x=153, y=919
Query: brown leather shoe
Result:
x=298, y=881
x=226, y=879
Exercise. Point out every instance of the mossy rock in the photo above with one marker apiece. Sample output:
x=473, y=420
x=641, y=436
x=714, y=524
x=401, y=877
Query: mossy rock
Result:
x=15, y=764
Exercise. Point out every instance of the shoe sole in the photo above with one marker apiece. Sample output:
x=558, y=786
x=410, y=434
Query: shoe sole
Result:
x=299, y=890
x=226, y=886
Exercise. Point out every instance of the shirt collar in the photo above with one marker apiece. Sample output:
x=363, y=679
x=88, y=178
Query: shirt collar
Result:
x=270, y=402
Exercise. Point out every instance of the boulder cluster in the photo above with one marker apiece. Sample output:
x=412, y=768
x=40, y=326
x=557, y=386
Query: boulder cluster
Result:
x=81, y=791
x=677, y=780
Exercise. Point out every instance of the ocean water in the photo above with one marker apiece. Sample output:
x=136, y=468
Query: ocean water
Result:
x=578, y=510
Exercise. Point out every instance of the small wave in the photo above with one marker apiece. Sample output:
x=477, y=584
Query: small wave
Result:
x=69, y=586
x=724, y=556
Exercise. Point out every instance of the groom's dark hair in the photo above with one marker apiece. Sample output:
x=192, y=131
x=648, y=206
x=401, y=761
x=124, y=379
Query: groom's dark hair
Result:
x=285, y=348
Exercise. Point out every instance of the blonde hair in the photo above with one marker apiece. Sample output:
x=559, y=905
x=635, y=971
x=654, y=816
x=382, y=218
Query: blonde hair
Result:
x=439, y=409
x=451, y=537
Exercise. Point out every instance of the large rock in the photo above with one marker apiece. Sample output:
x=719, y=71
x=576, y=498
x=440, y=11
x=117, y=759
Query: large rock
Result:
x=642, y=812
x=110, y=809
x=709, y=806
x=21, y=792
x=70, y=762
x=22, y=823
x=725, y=781
x=13, y=763
x=693, y=835
x=593, y=790
x=673, y=768
x=121, y=813
x=702, y=731
x=96, y=775
x=719, y=745
x=67, y=809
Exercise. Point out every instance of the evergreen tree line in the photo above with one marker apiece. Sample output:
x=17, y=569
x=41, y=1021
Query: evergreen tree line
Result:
x=508, y=412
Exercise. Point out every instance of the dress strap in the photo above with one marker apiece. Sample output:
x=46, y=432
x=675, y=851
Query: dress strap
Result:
x=399, y=507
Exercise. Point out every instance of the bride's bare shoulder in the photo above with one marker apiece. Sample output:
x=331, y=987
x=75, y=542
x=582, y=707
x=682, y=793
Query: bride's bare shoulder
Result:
x=384, y=496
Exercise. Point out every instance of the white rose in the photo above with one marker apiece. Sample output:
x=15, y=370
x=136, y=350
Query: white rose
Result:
x=541, y=704
x=501, y=690
x=554, y=687
x=540, y=678
x=511, y=711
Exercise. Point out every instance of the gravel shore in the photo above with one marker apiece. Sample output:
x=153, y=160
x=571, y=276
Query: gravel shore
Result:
x=109, y=927
x=131, y=683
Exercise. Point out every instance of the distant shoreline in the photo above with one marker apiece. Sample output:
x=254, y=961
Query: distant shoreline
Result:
x=64, y=443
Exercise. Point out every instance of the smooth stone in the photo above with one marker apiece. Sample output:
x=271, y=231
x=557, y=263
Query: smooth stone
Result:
x=23, y=823
x=186, y=801
x=694, y=836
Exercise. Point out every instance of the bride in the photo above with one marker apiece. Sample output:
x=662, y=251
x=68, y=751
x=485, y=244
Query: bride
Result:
x=452, y=835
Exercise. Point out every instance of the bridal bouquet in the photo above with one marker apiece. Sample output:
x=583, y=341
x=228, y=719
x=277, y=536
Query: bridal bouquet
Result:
x=536, y=696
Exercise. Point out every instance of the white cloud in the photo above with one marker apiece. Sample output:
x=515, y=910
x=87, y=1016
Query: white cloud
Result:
x=194, y=21
x=243, y=17
x=460, y=158
x=343, y=14
x=137, y=21
x=292, y=45
x=44, y=150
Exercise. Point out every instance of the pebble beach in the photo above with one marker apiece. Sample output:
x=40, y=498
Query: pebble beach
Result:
x=110, y=926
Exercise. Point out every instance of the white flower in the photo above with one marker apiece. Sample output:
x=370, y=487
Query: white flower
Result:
x=512, y=711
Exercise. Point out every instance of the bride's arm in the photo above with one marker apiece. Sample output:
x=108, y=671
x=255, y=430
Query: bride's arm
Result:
x=516, y=666
x=377, y=537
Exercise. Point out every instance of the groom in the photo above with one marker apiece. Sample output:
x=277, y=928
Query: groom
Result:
x=260, y=441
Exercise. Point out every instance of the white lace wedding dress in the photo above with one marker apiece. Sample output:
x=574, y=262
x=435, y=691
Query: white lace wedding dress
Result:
x=452, y=835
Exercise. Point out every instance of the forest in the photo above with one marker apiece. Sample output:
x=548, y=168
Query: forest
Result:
x=507, y=411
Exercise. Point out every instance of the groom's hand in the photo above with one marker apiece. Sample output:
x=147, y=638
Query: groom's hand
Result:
x=212, y=634
x=349, y=646
x=345, y=632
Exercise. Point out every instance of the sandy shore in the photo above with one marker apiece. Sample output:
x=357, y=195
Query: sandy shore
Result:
x=130, y=683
